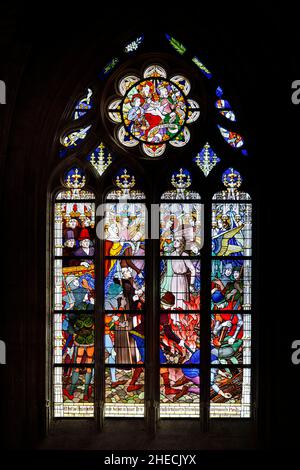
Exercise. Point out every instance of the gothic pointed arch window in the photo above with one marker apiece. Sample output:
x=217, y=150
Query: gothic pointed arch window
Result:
x=151, y=251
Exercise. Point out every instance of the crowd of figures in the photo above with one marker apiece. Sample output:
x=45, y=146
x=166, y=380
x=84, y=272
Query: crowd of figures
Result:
x=124, y=297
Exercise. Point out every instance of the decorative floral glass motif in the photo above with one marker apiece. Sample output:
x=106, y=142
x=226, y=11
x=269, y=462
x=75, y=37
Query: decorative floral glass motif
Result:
x=202, y=67
x=224, y=108
x=83, y=105
x=134, y=45
x=180, y=48
x=100, y=158
x=232, y=138
x=154, y=111
x=109, y=67
x=76, y=137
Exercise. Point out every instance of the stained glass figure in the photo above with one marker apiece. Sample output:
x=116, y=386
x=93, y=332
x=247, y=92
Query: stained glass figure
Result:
x=74, y=229
x=232, y=181
x=181, y=221
x=100, y=158
x=180, y=391
x=73, y=338
x=124, y=392
x=180, y=282
x=179, y=337
x=230, y=393
x=76, y=137
x=154, y=111
x=124, y=284
x=124, y=226
x=83, y=105
x=231, y=284
x=162, y=118
x=202, y=67
x=124, y=338
x=126, y=138
x=74, y=284
x=134, y=45
x=207, y=159
x=73, y=392
x=176, y=44
x=231, y=229
x=231, y=338
x=232, y=138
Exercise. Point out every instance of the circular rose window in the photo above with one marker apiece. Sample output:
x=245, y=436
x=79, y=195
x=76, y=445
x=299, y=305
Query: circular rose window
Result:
x=154, y=111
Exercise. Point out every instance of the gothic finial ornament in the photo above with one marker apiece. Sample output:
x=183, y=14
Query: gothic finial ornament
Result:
x=125, y=181
x=182, y=179
x=231, y=179
x=74, y=178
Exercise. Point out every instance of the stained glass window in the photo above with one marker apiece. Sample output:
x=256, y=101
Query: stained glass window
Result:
x=139, y=275
x=74, y=298
x=231, y=300
x=125, y=297
x=181, y=238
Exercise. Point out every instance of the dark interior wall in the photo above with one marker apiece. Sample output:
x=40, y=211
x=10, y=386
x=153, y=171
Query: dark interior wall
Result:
x=45, y=62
